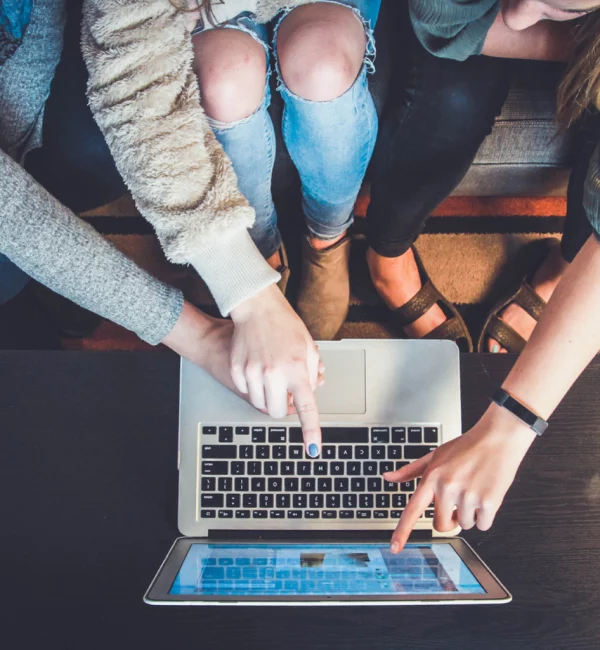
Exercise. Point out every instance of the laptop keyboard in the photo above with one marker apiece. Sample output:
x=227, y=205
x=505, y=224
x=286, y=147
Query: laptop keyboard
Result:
x=261, y=472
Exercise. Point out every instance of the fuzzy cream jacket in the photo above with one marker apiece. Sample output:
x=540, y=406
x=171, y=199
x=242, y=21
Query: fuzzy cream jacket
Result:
x=145, y=97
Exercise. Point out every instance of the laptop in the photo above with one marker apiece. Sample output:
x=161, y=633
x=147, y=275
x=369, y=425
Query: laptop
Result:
x=264, y=523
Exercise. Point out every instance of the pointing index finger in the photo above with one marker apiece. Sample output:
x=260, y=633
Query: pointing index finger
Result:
x=305, y=403
x=417, y=505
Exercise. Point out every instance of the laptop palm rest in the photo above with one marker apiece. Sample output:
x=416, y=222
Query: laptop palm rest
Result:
x=344, y=390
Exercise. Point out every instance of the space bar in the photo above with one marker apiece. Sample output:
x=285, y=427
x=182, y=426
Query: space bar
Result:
x=335, y=434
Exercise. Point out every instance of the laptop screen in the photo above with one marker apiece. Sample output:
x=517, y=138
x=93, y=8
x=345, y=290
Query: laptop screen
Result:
x=323, y=569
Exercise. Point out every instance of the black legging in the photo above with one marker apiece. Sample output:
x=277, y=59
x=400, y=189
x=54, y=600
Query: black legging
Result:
x=438, y=114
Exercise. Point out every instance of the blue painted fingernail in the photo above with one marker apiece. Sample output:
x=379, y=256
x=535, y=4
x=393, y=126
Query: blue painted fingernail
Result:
x=495, y=348
x=313, y=451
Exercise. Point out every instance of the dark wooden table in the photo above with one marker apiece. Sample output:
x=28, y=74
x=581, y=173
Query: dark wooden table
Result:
x=88, y=493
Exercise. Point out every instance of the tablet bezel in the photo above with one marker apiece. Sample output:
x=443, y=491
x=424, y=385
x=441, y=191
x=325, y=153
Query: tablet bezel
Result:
x=158, y=591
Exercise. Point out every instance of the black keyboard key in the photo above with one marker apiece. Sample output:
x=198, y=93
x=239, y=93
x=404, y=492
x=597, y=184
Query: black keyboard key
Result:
x=259, y=434
x=365, y=500
x=279, y=452
x=225, y=514
x=333, y=501
x=320, y=469
x=400, y=464
x=259, y=514
x=333, y=435
x=329, y=514
x=357, y=484
x=394, y=452
x=399, y=435
x=396, y=514
x=225, y=484
x=341, y=484
x=242, y=431
x=209, y=484
x=336, y=468
x=307, y=485
x=274, y=484
x=407, y=486
x=233, y=500
x=255, y=468
x=328, y=452
x=277, y=434
x=311, y=514
x=258, y=484
x=369, y=468
x=388, y=486
x=430, y=435
x=415, y=435
x=294, y=514
x=283, y=501
x=296, y=452
x=345, y=452
x=418, y=451
x=225, y=434
x=242, y=484
x=346, y=514
x=398, y=500
x=238, y=467
x=380, y=435
x=242, y=514
x=209, y=431
x=291, y=485
x=263, y=452
x=246, y=452
x=216, y=467
x=208, y=514
x=266, y=501
x=382, y=500
x=350, y=500
x=277, y=514
x=288, y=468
x=381, y=514
x=361, y=452
x=429, y=514
x=249, y=500
x=374, y=484
x=378, y=452
x=271, y=468
x=363, y=514
x=353, y=468
x=211, y=500
x=316, y=500
x=385, y=466
x=324, y=485
x=303, y=468
x=300, y=501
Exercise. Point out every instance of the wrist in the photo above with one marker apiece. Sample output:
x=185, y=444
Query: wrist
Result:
x=257, y=304
x=506, y=427
x=191, y=327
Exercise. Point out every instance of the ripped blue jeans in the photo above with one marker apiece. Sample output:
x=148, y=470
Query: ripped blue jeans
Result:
x=330, y=142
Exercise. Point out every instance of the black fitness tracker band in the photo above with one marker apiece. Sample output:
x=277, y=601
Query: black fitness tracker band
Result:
x=503, y=399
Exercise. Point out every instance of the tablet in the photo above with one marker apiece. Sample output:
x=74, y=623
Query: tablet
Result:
x=206, y=572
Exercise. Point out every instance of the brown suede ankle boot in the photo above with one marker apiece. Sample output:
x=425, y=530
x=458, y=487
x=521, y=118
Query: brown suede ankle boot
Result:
x=324, y=296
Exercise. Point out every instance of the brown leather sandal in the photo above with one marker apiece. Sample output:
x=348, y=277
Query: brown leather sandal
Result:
x=453, y=329
x=522, y=294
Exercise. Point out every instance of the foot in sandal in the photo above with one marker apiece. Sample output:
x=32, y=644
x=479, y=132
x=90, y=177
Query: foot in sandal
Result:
x=417, y=306
x=543, y=283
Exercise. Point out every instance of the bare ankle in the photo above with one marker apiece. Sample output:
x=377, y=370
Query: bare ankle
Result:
x=275, y=261
x=323, y=244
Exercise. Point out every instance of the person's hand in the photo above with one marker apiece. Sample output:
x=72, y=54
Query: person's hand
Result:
x=272, y=357
x=467, y=478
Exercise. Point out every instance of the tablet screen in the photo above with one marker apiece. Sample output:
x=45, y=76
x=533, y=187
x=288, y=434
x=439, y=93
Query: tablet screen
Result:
x=323, y=569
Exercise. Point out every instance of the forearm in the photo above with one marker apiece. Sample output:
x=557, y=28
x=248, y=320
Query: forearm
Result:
x=565, y=340
x=544, y=41
x=59, y=250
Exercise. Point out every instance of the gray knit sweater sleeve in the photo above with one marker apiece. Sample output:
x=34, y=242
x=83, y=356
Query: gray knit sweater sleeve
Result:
x=453, y=29
x=591, y=192
x=53, y=246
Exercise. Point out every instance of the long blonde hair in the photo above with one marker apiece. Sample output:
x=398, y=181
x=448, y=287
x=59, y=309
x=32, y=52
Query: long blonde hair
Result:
x=580, y=88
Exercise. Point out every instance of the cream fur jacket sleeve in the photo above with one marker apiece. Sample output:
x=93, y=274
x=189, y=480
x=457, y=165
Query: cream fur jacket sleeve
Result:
x=145, y=97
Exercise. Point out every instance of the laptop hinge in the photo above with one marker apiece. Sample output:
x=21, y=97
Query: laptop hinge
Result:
x=311, y=535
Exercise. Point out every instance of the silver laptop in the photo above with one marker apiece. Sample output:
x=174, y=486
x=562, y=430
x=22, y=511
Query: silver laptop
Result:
x=267, y=524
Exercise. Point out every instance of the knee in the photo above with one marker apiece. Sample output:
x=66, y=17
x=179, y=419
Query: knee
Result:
x=321, y=50
x=231, y=70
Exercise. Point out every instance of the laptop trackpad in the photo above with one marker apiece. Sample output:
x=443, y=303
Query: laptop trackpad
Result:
x=344, y=388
